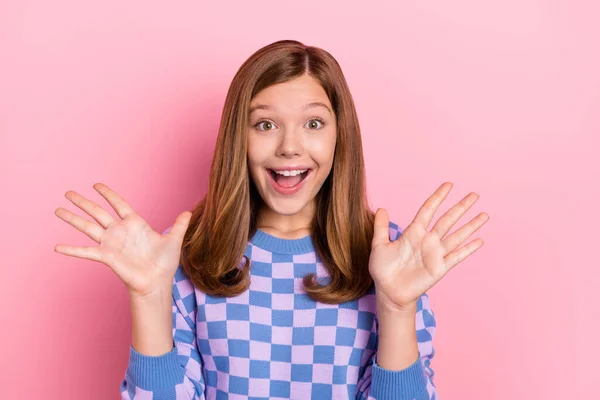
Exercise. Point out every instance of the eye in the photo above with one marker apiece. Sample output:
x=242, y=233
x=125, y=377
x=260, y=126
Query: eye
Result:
x=264, y=125
x=315, y=123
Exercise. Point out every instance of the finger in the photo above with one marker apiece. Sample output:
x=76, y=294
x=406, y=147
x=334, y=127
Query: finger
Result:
x=87, y=253
x=116, y=202
x=446, y=221
x=181, y=224
x=381, y=234
x=92, y=209
x=458, y=237
x=92, y=230
x=461, y=254
x=428, y=209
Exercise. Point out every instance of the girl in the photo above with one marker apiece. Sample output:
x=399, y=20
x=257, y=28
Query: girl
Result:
x=281, y=283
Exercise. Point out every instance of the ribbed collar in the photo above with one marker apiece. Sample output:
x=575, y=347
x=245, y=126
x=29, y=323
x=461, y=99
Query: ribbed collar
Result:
x=282, y=246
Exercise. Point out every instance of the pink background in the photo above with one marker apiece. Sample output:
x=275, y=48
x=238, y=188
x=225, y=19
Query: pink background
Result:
x=499, y=97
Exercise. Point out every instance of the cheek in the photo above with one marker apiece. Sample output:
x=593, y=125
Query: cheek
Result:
x=256, y=152
x=254, y=161
x=323, y=148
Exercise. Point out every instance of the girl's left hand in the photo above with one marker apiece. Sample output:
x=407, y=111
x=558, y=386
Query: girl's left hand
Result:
x=403, y=270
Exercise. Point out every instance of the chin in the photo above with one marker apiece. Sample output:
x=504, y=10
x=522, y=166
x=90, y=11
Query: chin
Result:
x=286, y=207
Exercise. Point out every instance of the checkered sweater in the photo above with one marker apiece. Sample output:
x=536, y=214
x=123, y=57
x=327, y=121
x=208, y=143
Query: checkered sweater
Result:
x=275, y=342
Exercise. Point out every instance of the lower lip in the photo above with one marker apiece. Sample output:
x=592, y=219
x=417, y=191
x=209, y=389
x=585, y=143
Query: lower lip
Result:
x=291, y=189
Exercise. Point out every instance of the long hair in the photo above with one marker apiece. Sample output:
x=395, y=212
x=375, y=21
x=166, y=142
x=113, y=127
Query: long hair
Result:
x=225, y=219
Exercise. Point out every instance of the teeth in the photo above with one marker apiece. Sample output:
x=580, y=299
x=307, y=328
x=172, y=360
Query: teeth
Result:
x=291, y=173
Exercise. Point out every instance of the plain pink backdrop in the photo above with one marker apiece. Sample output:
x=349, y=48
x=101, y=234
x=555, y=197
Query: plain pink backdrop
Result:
x=498, y=97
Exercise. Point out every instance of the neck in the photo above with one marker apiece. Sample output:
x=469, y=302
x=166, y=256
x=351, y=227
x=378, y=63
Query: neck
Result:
x=286, y=226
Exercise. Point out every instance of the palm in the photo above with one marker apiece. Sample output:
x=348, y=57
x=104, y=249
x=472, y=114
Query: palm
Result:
x=141, y=255
x=405, y=269
x=144, y=259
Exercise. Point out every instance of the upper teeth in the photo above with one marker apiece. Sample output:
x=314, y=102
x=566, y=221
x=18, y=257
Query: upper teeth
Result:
x=291, y=173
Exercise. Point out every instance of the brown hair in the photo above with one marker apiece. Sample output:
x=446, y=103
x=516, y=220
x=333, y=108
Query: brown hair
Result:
x=225, y=219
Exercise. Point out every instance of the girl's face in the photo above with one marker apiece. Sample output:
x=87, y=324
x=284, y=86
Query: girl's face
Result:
x=291, y=143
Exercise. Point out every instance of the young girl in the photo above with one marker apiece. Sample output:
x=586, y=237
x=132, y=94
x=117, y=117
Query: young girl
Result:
x=281, y=283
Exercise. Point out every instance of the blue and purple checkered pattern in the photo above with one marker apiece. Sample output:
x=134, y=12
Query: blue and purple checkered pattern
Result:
x=274, y=342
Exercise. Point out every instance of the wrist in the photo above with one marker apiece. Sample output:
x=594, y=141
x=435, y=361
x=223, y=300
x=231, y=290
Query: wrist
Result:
x=387, y=307
x=158, y=294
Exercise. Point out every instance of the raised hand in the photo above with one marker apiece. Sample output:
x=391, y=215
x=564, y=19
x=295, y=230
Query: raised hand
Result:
x=405, y=269
x=145, y=260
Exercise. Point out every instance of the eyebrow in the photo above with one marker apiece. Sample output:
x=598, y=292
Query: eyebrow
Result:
x=305, y=107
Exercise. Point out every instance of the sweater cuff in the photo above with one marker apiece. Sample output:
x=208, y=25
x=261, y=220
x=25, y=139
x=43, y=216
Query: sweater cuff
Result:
x=155, y=372
x=406, y=384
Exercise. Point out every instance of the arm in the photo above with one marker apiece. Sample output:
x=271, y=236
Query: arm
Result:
x=161, y=367
x=400, y=368
x=404, y=377
x=403, y=269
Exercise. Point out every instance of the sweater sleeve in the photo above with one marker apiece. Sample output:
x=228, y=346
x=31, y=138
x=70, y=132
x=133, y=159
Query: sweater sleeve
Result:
x=412, y=383
x=176, y=375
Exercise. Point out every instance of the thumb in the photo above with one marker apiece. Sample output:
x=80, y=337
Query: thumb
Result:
x=381, y=233
x=181, y=224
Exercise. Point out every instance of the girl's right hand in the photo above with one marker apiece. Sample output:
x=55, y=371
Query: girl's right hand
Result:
x=145, y=260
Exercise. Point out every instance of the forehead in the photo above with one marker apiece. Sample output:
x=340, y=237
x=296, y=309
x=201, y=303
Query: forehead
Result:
x=293, y=94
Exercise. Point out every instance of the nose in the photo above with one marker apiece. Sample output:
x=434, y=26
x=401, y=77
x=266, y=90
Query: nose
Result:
x=290, y=144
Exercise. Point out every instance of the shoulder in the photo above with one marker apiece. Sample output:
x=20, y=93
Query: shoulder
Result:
x=425, y=323
x=184, y=291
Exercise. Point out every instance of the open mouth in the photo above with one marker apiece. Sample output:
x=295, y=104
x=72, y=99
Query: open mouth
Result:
x=288, y=182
